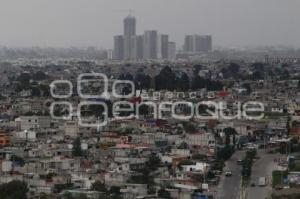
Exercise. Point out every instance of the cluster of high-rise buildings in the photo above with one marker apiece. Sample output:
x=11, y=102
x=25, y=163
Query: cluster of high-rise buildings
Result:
x=152, y=45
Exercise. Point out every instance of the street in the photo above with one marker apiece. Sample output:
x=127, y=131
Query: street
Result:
x=263, y=167
x=229, y=186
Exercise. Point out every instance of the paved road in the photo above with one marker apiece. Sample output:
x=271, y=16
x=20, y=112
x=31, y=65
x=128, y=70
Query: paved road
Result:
x=229, y=186
x=262, y=168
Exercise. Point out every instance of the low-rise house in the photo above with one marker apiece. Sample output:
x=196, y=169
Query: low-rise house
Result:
x=198, y=167
x=132, y=191
x=59, y=165
x=200, y=139
x=26, y=135
x=115, y=178
x=35, y=122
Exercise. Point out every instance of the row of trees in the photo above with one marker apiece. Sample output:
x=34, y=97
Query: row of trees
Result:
x=167, y=79
x=13, y=190
x=247, y=164
x=27, y=81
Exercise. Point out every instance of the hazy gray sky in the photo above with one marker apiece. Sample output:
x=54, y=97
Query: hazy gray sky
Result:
x=64, y=23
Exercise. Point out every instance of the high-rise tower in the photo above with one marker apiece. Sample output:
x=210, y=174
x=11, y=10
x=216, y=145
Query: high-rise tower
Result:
x=129, y=34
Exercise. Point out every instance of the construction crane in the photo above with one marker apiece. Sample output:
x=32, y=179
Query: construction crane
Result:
x=130, y=11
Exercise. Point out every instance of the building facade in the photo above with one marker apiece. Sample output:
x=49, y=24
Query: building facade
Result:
x=150, y=44
x=119, y=47
x=197, y=43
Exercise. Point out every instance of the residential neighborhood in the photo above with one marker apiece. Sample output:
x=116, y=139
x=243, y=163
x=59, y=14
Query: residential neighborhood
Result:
x=145, y=156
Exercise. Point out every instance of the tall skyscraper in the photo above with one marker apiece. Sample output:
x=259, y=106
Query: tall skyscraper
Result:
x=129, y=26
x=198, y=43
x=128, y=51
x=138, y=47
x=171, y=51
x=129, y=33
x=163, y=46
x=118, y=53
x=189, y=43
x=150, y=44
x=203, y=43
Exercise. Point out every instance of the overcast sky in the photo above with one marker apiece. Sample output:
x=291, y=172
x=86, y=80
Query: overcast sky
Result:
x=65, y=23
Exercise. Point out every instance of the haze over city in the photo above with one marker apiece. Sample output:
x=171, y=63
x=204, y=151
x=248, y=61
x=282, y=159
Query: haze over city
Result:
x=65, y=23
x=149, y=99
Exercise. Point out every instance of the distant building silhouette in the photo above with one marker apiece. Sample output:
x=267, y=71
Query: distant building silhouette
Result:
x=151, y=45
x=129, y=33
x=118, y=47
x=198, y=43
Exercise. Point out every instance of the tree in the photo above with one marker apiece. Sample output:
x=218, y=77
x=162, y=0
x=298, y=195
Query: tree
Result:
x=227, y=139
x=231, y=70
x=24, y=78
x=67, y=195
x=225, y=153
x=35, y=92
x=23, y=82
x=82, y=196
x=77, y=152
x=199, y=157
x=258, y=66
x=18, y=160
x=183, y=145
x=285, y=74
x=248, y=88
x=234, y=68
x=126, y=76
x=230, y=132
x=153, y=162
x=43, y=196
x=45, y=90
x=189, y=127
x=183, y=82
x=115, y=191
x=211, y=85
x=257, y=75
x=165, y=79
x=98, y=186
x=13, y=190
x=162, y=193
x=247, y=164
x=39, y=75
x=197, y=69
x=288, y=125
x=142, y=81
x=198, y=82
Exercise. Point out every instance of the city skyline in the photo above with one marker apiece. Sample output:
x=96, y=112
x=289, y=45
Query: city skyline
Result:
x=149, y=46
x=80, y=24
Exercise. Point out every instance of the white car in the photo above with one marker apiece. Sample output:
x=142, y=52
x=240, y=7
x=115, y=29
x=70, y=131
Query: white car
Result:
x=228, y=173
